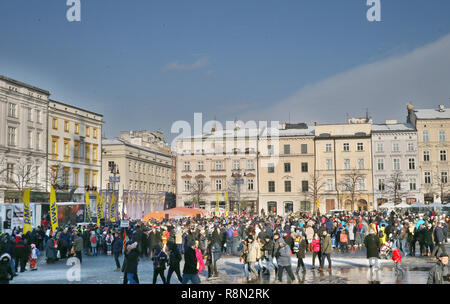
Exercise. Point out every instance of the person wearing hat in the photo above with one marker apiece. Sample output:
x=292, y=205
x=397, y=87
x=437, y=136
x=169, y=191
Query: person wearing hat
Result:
x=190, y=271
x=6, y=273
x=439, y=273
x=131, y=263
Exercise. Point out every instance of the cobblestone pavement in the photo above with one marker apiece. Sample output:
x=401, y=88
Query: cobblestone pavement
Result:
x=349, y=267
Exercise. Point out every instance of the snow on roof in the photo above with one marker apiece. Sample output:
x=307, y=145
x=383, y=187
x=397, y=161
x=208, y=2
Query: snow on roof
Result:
x=433, y=113
x=392, y=127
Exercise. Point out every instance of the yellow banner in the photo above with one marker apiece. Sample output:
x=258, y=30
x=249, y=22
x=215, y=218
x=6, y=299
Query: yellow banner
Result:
x=227, y=204
x=53, y=209
x=98, y=209
x=88, y=208
x=217, y=203
x=112, y=209
x=102, y=210
x=26, y=212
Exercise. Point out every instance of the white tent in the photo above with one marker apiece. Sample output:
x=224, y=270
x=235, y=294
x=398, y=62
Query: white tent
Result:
x=435, y=205
x=418, y=205
x=403, y=206
x=387, y=206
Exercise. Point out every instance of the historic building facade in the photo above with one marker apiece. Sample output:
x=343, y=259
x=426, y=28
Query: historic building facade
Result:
x=433, y=137
x=286, y=169
x=395, y=163
x=23, y=148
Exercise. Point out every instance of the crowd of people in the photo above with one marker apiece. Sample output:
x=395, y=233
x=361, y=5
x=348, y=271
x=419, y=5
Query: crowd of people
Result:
x=264, y=244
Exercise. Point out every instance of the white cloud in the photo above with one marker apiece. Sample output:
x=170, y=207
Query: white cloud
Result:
x=176, y=66
x=421, y=76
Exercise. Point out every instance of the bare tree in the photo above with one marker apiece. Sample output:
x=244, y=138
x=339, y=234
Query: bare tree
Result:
x=316, y=185
x=394, y=189
x=442, y=187
x=350, y=184
x=197, y=191
x=21, y=175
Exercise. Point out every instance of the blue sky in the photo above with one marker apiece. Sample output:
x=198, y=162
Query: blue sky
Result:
x=146, y=64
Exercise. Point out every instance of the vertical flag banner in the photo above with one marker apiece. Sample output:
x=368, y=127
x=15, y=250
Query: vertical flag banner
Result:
x=217, y=204
x=26, y=212
x=88, y=208
x=98, y=209
x=102, y=211
x=53, y=209
x=227, y=206
x=113, y=208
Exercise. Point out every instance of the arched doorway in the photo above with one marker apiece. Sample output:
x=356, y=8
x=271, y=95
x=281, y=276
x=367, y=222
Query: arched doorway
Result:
x=362, y=205
x=348, y=205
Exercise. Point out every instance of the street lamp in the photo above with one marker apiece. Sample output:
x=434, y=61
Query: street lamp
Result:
x=113, y=168
x=238, y=180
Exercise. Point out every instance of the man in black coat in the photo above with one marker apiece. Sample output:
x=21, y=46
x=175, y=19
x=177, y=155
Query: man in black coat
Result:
x=190, y=271
x=131, y=260
x=117, y=246
x=20, y=252
x=372, y=243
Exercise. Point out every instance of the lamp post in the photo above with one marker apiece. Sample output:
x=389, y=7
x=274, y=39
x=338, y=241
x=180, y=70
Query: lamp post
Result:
x=113, y=168
x=238, y=180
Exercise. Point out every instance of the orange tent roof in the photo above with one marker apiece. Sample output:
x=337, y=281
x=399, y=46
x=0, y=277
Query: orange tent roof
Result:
x=174, y=212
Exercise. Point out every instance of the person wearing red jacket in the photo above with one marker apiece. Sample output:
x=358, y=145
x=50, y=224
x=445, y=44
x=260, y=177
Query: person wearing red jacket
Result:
x=316, y=250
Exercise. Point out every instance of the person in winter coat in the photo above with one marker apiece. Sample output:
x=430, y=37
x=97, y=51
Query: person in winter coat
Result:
x=94, y=240
x=78, y=246
x=190, y=272
x=372, y=243
x=131, y=264
x=316, y=250
x=6, y=273
x=174, y=261
x=20, y=252
x=117, y=247
x=439, y=238
x=253, y=256
x=309, y=236
x=300, y=247
x=33, y=257
x=283, y=256
x=159, y=264
x=325, y=249
x=439, y=273
x=50, y=250
x=268, y=249
x=199, y=255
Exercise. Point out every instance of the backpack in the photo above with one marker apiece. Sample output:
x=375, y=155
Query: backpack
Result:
x=235, y=233
x=94, y=240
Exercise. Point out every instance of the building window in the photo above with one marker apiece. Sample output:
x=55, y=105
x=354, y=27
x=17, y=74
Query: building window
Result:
x=94, y=179
x=360, y=147
x=412, y=164
x=270, y=168
x=36, y=171
x=305, y=186
x=88, y=131
x=250, y=164
x=426, y=156
x=361, y=184
x=200, y=185
x=12, y=110
x=396, y=163
x=236, y=164
x=65, y=177
x=287, y=186
x=76, y=173
x=427, y=177
x=54, y=147
x=270, y=149
x=305, y=206
x=54, y=175
x=287, y=167
x=379, y=147
x=187, y=166
x=381, y=185
x=304, y=148
x=327, y=147
x=38, y=141
x=55, y=123
x=304, y=167
x=30, y=139
x=271, y=186
x=425, y=136
x=9, y=172
x=87, y=148
x=444, y=177
x=11, y=136
x=347, y=164
x=287, y=149
x=361, y=164
x=66, y=149
x=443, y=154
x=76, y=154
x=346, y=147
x=218, y=165
x=38, y=116
x=94, y=152
x=329, y=185
x=250, y=184
x=412, y=184
x=441, y=135
x=410, y=147
x=218, y=184
x=187, y=185
x=329, y=164
x=95, y=133
x=30, y=114
x=200, y=166
x=77, y=128
x=395, y=147
x=66, y=126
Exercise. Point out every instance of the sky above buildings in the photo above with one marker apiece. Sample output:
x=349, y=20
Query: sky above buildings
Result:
x=145, y=64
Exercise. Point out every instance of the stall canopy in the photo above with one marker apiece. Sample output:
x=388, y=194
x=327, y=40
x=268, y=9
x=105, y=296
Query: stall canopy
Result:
x=403, y=205
x=177, y=212
x=418, y=205
x=435, y=205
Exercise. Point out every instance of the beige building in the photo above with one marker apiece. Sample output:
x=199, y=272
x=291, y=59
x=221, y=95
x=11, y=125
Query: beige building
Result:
x=74, y=150
x=433, y=136
x=219, y=162
x=286, y=169
x=145, y=174
x=344, y=165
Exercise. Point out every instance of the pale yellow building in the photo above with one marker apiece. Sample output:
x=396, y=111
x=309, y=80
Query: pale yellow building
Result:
x=344, y=165
x=433, y=137
x=286, y=169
